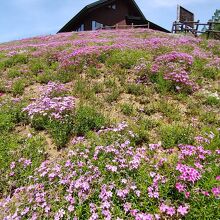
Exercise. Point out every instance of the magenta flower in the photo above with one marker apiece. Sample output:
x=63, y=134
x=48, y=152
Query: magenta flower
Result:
x=111, y=168
x=183, y=210
x=188, y=174
x=180, y=187
x=216, y=191
x=218, y=178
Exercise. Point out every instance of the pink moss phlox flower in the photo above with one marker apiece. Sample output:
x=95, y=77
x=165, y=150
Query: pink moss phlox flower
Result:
x=183, y=210
x=12, y=165
x=187, y=195
x=144, y=216
x=154, y=146
x=111, y=168
x=51, y=107
x=216, y=191
x=188, y=173
x=169, y=210
x=180, y=187
x=175, y=67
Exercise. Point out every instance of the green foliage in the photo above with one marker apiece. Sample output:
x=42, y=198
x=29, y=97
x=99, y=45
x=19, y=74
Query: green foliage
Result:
x=147, y=123
x=93, y=72
x=45, y=77
x=211, y=73
x=64, y=76
x=37, y=66
x=98, y=87
x=169, y=110
x=201, y=67
x=210, y=118
x=127, y=109
x=162, y=85
x=174, y=134
x=110, y=83
x=86, y=119
x=13, y=73
x=213, y=101
x=12, y=148
x=60, y=131
x=141, y=136
x=126, y=59
x=10, y=115
x=83, y=89
x=6, y=122
x=14, y=60
x=113, y=96
x=135, y=89
x=18, y=87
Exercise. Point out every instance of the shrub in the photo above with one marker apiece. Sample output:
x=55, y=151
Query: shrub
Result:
x=211, y=73
x=169, y=110
x=98, y=88
x=10, y=115
x=14, y=60
x=126, y=59
x=37, y=66
x=213, y=101
x=93, y=72
x=18, y=87
x=136, y=89
x=13, y=73
x=172, y=135
x=83, y=89
x=210, y=118
x=6, y=122
x=162, y=85
x=65, y=76
x=174, y=68
x=16, y=150
x=45, y=77
x=110, y=83
x=60, y=131
x=86, y=119
x=53, y=112
x=127, y=109
x=113, y=96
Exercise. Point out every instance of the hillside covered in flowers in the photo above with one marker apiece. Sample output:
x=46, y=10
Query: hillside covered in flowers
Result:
x=111, y=124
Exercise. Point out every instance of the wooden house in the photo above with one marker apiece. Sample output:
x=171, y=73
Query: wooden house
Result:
x=106, y=13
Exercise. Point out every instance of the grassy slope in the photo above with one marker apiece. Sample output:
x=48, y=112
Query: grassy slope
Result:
x=111, y=78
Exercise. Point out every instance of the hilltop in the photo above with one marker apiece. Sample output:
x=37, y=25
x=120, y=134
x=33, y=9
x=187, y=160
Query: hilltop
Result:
x=114, y=124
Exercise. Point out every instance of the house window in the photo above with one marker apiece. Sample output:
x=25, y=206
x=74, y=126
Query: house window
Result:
x=96, y=25
x=80, y=28
x=112, y=6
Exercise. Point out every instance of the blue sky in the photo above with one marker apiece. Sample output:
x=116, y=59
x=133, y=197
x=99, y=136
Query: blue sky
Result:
x=26, y=18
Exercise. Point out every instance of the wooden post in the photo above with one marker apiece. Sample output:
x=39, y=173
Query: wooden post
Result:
x=132, y=25
x=197, y=28
x=209, y=29
x=148, y=25
x=173, y=27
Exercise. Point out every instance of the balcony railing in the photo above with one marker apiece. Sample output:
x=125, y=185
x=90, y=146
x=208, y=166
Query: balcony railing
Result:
x=194, y=27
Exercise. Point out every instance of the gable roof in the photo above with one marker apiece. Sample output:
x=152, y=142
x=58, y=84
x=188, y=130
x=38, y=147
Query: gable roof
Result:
x=99, y=4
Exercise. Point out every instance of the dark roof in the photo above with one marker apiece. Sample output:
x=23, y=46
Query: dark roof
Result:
x=101, y=3
x=83, y=11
